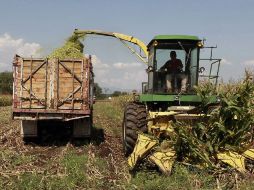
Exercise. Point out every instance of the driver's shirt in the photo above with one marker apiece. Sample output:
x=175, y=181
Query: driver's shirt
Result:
x=174, y=66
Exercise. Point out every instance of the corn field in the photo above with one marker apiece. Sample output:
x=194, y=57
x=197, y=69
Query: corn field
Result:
x=5, y=100
x=227, y=127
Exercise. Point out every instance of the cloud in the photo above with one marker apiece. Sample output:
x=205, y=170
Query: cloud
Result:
x=10, y=46
x=97, y=63
x=121, y=76
x=121, y=65
x=139, y=75
x=225, y=61
x=249, y=62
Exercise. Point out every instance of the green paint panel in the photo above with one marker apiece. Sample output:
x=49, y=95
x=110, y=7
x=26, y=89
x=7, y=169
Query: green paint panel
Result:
x=170, y=98
x=176, y=37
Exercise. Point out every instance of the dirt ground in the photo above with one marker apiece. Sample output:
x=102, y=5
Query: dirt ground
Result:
x=56, y=161
x=44, y=156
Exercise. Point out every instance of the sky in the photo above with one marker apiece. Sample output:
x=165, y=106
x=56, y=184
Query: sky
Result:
x=35, y=28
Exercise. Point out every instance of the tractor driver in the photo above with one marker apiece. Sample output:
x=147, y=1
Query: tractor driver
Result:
x=174, y=72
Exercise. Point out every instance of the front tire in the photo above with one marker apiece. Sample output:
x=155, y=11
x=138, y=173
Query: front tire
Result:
x=134, y=121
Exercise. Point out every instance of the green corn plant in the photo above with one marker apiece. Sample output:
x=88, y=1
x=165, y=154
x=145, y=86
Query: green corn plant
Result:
x=228, y=127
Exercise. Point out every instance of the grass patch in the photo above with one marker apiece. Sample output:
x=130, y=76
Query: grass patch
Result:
x=109, y=117
x=5, y=116
x=11, y=159
x=181, y=178
x=109, y=110
x=75, y=170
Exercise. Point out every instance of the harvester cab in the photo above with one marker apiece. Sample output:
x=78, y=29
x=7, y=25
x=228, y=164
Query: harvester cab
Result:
x=187, y=49
x=168, y=89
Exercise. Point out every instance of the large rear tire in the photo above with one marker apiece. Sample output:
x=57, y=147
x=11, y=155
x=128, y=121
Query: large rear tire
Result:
x=134, y=121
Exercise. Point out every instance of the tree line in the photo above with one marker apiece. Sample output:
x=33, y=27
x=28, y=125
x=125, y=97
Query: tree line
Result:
x=100, y=95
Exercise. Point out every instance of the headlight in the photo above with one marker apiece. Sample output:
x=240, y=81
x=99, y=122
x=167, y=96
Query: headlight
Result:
x=200, y=44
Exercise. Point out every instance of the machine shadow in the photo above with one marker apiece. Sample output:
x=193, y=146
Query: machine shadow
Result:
x=52, y=133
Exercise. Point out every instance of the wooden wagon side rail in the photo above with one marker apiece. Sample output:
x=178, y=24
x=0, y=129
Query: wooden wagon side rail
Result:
x=52, y=84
